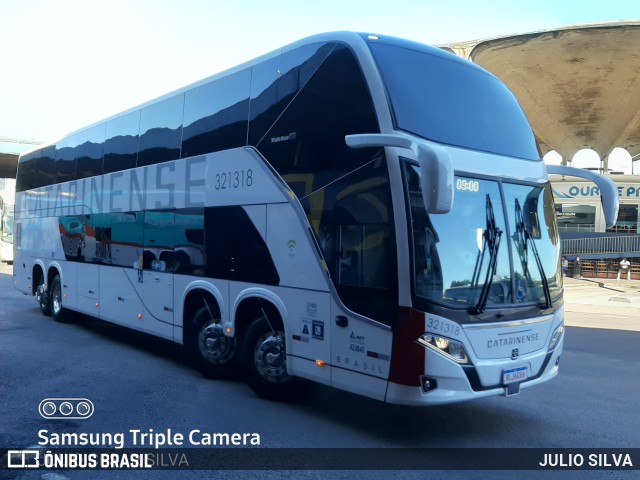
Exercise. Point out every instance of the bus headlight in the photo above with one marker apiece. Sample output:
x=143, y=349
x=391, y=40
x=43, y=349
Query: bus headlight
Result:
x=452, y=349
x=555, y=338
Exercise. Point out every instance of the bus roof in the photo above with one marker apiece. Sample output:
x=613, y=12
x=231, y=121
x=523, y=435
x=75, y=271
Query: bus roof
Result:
x=353, y=39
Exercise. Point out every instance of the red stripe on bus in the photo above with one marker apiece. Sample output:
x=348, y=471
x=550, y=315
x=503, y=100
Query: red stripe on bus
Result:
x=407, y=355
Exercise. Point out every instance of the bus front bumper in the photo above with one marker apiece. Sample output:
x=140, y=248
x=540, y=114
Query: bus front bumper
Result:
x=452, y=383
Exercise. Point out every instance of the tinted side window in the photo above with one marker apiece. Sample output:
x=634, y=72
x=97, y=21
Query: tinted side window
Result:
x=189, y=254
x=309, y=135
x=216, y=115
x=73, y=230
x=121, y=145
x=161, y=131
x=26, y=172
x=158, y=240
x=355, y=231
x=45, y=167
x=90, y=152
x=65, y=165
x=126, y=234
x=101, y=251
x=235, y=249
x=275, y=83
x=345, y=192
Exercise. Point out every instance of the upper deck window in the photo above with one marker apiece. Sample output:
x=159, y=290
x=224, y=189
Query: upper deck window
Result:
x=450, y=101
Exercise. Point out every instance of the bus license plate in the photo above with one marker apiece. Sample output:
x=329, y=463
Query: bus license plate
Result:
x=514, y=375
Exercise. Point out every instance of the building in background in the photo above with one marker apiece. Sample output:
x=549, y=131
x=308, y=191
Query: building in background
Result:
x=579, y=210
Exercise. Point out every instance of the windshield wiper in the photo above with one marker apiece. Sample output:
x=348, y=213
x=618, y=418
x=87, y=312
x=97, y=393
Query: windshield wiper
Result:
x=525, y=239
x=491, y=243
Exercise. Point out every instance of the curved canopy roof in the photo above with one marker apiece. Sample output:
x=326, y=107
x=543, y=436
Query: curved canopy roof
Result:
x=578, y=85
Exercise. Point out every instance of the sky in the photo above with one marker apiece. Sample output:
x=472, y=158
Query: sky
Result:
x=69, y=63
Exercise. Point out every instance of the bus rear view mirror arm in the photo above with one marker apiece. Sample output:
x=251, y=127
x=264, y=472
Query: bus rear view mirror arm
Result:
x=608, y=189
x=436, y=172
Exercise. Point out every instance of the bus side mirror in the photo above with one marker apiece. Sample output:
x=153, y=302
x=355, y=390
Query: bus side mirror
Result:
x=436, y=172
x=608, y=189
x=436, y=179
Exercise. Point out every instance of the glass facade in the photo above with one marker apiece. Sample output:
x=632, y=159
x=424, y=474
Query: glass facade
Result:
x=628, y=219
x=573, y=217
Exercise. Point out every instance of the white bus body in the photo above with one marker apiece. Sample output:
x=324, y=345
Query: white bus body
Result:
x=305, y=215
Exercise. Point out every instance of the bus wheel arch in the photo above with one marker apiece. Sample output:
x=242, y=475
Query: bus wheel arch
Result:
x=212, y=352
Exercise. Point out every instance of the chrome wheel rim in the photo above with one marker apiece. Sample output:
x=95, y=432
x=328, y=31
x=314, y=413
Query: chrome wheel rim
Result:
x=56, y=299
x=40, y=292
x=215, y=347
x=270, y=357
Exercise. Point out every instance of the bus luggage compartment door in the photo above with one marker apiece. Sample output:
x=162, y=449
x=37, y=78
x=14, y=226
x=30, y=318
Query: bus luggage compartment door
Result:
x=158, y=294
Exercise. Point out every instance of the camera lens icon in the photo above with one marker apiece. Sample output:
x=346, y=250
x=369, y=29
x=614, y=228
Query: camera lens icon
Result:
x=84, y=408
x=48, y=409
x=66, y=408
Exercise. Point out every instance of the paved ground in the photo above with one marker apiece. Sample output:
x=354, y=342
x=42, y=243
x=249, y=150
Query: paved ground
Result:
x=616, y=303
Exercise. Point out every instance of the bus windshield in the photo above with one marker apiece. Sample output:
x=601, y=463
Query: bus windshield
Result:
x=453, y=102
x=481, y=255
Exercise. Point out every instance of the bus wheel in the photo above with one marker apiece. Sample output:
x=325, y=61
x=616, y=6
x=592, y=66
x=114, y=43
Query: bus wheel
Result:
x=58, y=312
x=210, y=350
x=265, y=360
x=42, y=297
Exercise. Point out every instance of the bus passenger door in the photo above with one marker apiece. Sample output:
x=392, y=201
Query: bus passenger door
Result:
x=360, y=354
x=158, y=263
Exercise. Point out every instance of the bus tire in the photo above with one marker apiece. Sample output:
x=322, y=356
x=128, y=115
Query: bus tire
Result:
x=265, y=363
x=209, y=349
x=42, y=297
x=58, y=312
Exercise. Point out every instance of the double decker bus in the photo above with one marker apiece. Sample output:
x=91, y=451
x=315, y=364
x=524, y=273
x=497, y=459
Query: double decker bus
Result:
x=365, y=212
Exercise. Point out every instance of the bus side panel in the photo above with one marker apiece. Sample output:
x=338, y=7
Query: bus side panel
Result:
x=88, y=281
x=292, y=249
x=309, y=333
x=69, y=276
x=22, y=272
x=158, y=298
x=360, y=354
x=120, y=302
